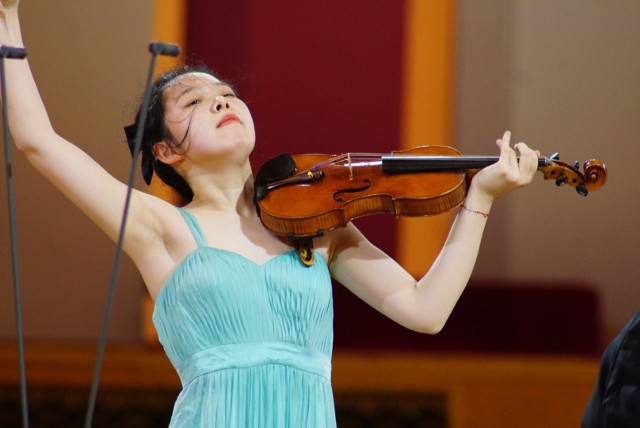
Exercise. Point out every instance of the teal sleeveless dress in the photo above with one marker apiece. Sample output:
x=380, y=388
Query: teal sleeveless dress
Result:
x=251, y=342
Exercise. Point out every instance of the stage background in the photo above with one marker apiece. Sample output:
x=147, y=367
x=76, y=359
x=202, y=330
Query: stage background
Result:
x=561, y=76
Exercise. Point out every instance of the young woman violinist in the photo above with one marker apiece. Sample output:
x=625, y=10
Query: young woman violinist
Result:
x=246, y=325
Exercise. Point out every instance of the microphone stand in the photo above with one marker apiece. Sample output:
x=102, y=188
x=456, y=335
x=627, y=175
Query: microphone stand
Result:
x=14, y=53
x=156, y=48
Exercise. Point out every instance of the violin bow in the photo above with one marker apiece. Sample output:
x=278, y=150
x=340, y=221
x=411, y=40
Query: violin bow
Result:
x=155, y=48
x=7, y=52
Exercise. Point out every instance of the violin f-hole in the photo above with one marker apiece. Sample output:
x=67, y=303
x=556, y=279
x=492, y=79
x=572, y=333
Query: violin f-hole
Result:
x=337, y=194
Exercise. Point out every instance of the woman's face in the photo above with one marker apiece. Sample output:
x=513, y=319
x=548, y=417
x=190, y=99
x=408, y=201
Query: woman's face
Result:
x=204, y=117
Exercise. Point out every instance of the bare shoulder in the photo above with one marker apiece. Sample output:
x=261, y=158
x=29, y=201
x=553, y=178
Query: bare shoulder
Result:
x=166, y=241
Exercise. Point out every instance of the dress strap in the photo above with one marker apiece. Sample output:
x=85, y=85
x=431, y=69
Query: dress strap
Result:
x=194, y=227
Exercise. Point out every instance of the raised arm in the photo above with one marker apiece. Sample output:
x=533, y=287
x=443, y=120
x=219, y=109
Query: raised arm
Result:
x=425, y=305
x=82, y=180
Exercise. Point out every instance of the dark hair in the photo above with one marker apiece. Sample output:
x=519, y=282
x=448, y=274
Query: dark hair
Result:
x=155, y=130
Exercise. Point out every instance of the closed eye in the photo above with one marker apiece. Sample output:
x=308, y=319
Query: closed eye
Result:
x=227, y=91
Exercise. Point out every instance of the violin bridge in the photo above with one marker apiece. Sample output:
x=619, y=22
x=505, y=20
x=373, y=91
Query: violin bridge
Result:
x=350, y=167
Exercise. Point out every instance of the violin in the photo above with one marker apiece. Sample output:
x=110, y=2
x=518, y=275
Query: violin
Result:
x=304, y=196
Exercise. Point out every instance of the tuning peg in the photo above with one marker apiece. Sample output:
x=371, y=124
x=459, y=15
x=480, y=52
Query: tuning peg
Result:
x=555, y=156
x=582, y=189
x=576, y=165
x=561, y=180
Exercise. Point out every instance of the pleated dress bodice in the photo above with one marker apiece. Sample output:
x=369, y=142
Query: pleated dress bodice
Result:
x=251, y=342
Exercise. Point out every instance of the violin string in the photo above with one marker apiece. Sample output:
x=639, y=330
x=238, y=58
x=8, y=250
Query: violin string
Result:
x=343, y=159
x=368, y=159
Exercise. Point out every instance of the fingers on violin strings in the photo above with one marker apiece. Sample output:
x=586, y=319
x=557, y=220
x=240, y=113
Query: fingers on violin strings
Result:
x=528, y=159
x=505, y=140
x=506, y=151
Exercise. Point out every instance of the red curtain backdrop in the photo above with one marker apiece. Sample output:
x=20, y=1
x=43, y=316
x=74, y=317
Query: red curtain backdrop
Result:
x=319, y=77
x=327, y=77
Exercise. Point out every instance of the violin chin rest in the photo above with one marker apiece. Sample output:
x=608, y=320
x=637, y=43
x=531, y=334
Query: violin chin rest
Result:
x=276, y=169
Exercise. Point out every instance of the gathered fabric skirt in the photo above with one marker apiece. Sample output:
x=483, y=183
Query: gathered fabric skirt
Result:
x=266, y=385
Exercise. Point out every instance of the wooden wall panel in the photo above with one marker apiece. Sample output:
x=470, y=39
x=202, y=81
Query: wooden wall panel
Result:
x=427, y=110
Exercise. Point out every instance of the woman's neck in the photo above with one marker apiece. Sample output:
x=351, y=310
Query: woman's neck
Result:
x=223, y=192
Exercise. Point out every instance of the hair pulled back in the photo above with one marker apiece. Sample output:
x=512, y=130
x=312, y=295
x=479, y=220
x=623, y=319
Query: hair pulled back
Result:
x=155, y=130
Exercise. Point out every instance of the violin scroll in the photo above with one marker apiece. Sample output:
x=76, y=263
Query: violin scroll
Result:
x=593, y=178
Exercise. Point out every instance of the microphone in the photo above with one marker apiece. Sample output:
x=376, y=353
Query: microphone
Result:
x=15, y=53
x=168, y=49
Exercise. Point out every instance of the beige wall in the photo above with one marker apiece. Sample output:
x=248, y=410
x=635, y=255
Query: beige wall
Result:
x=560, y=75
x=90, y=60
x=563, y=76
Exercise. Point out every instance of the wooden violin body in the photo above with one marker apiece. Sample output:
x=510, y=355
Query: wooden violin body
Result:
x=307, y=195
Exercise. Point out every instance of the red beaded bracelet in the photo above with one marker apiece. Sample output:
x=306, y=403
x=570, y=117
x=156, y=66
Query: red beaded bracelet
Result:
x=485, y=215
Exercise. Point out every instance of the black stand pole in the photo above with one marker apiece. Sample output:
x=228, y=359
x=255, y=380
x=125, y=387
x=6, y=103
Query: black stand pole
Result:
x=14, y=53
x=156, y=48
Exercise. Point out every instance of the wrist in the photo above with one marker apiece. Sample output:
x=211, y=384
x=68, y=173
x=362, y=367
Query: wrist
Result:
x=478, y=200
x=10, y=31
x=473, y=211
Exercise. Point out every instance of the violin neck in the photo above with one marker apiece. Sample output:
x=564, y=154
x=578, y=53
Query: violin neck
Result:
x=399, y=164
